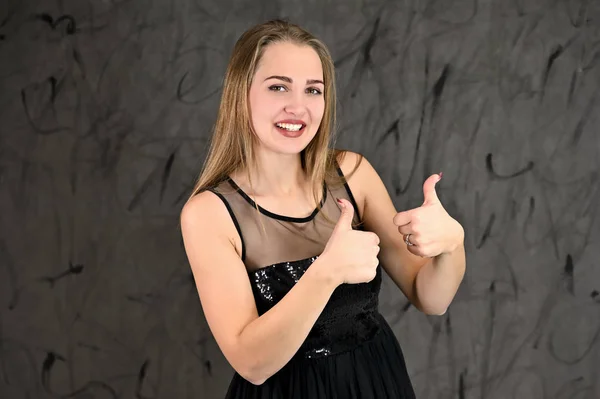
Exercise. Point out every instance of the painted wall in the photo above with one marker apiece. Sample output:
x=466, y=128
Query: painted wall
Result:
x=105, y=113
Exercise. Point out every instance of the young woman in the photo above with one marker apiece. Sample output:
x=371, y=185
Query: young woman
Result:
x=286, y=235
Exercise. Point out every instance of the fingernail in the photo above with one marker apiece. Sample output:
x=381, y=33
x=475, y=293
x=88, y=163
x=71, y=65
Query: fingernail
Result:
x=440, y=175
x=339, y=201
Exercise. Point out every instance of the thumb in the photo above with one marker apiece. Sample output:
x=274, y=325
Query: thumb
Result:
x=345, y=220
x=429, y=193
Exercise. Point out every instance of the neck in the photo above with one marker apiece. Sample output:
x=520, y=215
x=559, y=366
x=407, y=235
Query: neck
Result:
x=276, y=174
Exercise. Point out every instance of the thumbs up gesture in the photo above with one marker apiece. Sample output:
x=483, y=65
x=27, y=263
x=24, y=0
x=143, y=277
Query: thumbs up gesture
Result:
x=428, y=230
x=351, y=254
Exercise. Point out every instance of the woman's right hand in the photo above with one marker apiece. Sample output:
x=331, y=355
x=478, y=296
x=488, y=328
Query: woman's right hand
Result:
x=351, y=254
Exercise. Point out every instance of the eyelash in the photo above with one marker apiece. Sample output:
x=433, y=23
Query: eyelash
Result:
x=276, y=87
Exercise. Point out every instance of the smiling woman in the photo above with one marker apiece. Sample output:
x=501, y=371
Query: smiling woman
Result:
x=285, y=234
x=286, y=96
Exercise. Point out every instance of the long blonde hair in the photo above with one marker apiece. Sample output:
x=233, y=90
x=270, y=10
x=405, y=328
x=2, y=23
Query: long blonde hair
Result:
x=232, y=144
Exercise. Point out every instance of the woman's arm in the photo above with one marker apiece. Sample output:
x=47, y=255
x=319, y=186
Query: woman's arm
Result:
x=430, y=284
x=438, y=280
x=256, y=347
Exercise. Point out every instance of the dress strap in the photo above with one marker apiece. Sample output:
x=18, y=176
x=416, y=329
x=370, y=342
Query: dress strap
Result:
x=352, y=200
x=233, y=218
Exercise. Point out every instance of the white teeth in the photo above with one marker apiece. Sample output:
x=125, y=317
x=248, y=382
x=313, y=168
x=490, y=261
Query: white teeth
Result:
x=289, y=126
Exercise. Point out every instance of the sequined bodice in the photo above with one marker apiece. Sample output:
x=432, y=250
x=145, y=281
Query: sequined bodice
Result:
x=349, y=318
x=278, y=249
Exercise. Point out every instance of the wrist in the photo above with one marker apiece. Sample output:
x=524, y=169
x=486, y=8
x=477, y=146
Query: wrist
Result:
x=458, y=243
x=322, y=271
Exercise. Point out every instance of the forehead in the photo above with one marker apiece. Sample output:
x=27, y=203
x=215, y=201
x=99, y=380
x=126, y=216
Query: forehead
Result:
x=291, y=60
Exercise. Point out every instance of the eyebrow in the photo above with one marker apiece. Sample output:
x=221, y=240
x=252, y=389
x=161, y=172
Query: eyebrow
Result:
x=289, y=80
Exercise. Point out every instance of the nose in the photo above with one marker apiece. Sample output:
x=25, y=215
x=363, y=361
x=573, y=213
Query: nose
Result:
x=296, y=105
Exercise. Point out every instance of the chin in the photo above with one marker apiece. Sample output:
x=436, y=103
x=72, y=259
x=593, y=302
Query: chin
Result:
x=291, y=146
x=289, y=149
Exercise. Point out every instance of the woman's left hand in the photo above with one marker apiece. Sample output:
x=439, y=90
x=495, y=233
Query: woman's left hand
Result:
x=428, y=230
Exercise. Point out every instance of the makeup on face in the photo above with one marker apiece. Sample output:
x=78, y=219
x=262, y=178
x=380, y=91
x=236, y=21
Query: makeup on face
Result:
x=294, y=128
x=287, y=97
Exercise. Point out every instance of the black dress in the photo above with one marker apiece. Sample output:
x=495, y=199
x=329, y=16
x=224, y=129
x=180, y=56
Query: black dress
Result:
x=351, y=352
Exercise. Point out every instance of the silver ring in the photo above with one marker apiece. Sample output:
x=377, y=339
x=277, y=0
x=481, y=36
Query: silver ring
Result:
x=407, y=240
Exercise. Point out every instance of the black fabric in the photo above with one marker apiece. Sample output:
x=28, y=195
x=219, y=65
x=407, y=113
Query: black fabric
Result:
x=349, y=318
x=372, y=370
x=351, y=352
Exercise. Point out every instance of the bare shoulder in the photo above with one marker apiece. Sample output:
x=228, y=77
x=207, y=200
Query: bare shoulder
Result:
x=206, y=215
x=219, y=273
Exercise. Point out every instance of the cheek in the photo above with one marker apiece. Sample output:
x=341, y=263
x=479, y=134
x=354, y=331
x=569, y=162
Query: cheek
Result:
x=317, y=109
x=264, y=108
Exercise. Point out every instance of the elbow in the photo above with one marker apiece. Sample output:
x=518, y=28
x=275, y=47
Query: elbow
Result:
x=250, y=369
x=245, y=363
x=435, y=312
x=257, y=382
x=431, y=309
x=250, y=365
x=252, y=376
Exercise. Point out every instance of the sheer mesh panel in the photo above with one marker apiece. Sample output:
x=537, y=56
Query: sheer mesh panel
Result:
x=284, y=239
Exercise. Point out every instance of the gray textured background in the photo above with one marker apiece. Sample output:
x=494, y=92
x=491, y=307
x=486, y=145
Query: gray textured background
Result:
x=105, y=112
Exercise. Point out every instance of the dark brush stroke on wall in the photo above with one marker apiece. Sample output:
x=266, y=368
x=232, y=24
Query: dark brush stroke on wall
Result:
x=73, y=269
x=557, y=52
x=486, y=359
x=451, y=346
x=533, y=338
x=36, y=90
x=181, y=94
x=436, y=330
x=584, y=348
x=524, y=67
x=155, y=176
x=140, y=381
x=168, y=168
x=47, y=366
x=568, y=275
x=492, y=172
x=70, y=26
x=587, y=114
x=12, y=281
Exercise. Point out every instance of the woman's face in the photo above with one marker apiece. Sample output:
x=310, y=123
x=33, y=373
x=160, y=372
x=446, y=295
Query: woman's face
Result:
x=286, y=97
